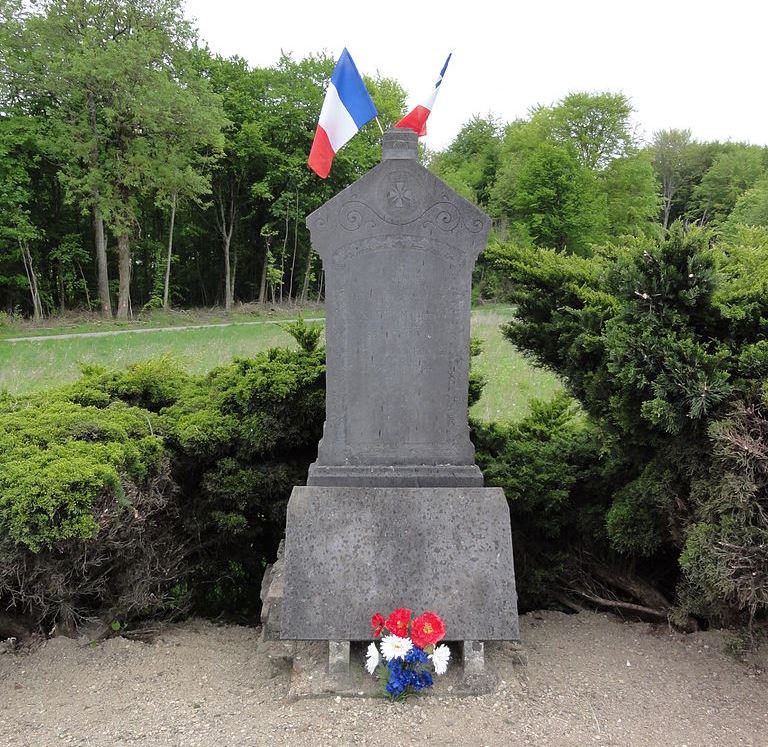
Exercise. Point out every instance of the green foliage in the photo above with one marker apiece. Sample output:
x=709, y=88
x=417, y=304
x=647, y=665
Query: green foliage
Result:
x=595, y=125
x=660, y=340
x=476, y=380
x=725, y=560
x=731, y=174
x=307, y=336
x=151, y=384
x=157, y=487
x=549, y=464
x=632, y=201
x=242, y=436
x=751, y=209
x=58, y=457
x=87, y=523
x=470, y=162
x=633, y=522
x=569, y=177
x=552, y=197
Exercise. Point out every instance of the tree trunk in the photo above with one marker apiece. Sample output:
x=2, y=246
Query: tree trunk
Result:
x=167, y=283
x=227, y=275
x=98, y=220
x=295, y=243
x=203, y=291
x=307, y=273
x=60, y=285
x=263, y=282
x=282, y=256
x=234, y=276
x=124, y=271
x=101, y=259
x=37, y=306
x=226, y=215
x=85, y=287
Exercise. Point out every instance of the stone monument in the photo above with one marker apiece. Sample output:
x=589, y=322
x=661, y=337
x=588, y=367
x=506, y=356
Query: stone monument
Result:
x=394, y=513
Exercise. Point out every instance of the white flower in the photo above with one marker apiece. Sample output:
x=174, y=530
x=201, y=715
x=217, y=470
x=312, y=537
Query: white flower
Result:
x=395, y=647
x=440, y=658
x=372, y=658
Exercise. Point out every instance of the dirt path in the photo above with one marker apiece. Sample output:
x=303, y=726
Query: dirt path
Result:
x=146, y=330
x=590, y=679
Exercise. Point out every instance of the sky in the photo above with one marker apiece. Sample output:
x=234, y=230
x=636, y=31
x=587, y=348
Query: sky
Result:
x=682, y=64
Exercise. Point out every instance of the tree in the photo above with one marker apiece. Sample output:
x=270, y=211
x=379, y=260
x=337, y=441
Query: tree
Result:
x=669, y=160
x=470, y=162
x=552, y=198
x=751, y=209
x=18, y=156
x=730, y=175
x=114, y=80
x=632, y=195
x=264, y=179
x=596, y=125
x=661, y=341
x=192, y=144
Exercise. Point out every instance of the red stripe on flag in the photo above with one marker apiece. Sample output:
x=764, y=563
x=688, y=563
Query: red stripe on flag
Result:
x=321, y=155
x=415, y=120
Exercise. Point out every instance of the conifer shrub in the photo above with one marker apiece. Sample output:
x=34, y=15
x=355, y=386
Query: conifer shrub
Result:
x=241, y=438
x=549, y=466
x=87, y=513
x=144, y=493
x=663, y=345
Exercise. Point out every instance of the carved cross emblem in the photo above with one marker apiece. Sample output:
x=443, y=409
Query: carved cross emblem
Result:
x=399, y=195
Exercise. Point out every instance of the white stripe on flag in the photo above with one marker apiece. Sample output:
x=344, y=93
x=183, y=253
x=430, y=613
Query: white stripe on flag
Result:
x=336, y=120
x=429, y=102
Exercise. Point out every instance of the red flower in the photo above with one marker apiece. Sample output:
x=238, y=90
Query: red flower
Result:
x=397, y=622
x=378, y=623
x=427, y=629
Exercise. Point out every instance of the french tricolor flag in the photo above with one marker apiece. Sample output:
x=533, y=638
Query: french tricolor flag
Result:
x=416, y=119
x=347, y=107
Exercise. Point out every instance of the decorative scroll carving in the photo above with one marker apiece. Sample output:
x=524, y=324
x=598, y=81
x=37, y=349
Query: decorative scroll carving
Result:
x=444, y=215
x=354, y=215
x=474, y=226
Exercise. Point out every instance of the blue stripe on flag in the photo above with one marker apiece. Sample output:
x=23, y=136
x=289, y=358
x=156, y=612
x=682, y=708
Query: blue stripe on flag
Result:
x=442, y=72
x=352, y=90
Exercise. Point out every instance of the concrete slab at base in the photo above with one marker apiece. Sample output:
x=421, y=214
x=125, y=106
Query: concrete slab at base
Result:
x=351, y=552
x=309, y=677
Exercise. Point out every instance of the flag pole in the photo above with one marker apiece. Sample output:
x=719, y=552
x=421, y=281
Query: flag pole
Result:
x=381, y=129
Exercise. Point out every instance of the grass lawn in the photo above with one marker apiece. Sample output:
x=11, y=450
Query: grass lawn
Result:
x=33, y=365
x=511, y=381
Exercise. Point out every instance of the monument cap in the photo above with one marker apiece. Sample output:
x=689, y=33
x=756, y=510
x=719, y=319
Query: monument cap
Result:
x=399, y=142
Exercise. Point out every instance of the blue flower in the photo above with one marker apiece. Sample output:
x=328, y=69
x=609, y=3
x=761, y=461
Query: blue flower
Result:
x=426, y=678
x=416, y=656
x=398, y=681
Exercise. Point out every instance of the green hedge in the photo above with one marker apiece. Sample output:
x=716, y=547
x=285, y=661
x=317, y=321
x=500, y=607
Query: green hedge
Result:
x=142, y=493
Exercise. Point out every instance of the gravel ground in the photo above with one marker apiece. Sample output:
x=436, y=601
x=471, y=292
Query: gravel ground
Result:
x=590, y=679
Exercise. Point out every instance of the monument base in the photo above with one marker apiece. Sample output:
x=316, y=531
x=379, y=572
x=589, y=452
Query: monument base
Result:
x=396, y=476
x=354, y=551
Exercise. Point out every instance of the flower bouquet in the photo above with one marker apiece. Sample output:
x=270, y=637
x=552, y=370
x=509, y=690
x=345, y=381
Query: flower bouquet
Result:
x=408, y=652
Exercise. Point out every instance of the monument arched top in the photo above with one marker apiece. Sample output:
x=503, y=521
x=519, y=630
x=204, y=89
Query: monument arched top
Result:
x=399, y=197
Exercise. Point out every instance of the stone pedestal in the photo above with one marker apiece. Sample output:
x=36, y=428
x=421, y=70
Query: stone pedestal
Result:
x=350, y=552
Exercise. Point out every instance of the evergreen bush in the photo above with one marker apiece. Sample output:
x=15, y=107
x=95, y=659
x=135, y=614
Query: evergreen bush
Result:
x=663, y=344
x=137, y=494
